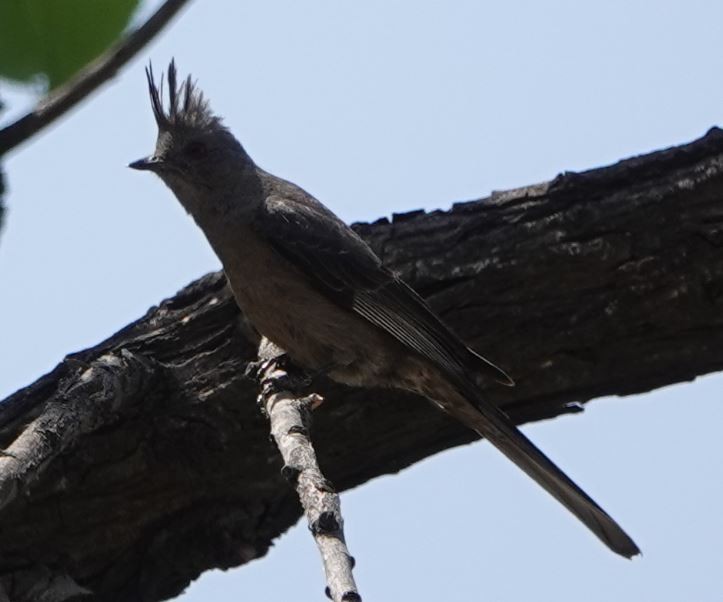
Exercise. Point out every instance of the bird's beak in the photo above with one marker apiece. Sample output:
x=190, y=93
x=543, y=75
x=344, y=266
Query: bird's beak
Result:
x=147, y=164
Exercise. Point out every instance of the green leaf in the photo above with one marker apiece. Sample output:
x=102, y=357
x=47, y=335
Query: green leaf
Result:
x=52, y=39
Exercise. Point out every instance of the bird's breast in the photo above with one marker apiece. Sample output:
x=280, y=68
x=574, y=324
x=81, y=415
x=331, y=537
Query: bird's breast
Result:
x=284, y=306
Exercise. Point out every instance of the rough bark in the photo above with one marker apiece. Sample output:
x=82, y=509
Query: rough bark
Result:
x=139, y=463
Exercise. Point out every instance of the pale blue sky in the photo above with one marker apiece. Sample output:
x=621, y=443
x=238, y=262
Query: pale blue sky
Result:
x=381, y=106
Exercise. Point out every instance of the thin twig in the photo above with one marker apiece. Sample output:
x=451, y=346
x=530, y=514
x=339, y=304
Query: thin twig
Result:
x=290, y=418
x=88, y=79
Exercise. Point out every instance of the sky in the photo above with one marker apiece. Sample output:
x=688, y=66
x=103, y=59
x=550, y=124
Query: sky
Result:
x=382, y=106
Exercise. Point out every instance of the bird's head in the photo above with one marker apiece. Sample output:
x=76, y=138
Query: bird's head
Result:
x=195, y=155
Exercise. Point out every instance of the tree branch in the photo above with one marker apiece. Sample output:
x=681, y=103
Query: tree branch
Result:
x=290, y=418
x=606, y=282
x=87, y=79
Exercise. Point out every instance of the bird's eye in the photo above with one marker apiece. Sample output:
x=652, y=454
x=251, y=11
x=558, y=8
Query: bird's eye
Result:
x=195, y=150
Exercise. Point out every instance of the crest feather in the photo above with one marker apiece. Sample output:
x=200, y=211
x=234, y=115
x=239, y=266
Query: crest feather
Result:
x=187, y=107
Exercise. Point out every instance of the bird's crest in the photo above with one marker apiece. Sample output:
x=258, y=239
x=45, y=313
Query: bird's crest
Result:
x=187, y=107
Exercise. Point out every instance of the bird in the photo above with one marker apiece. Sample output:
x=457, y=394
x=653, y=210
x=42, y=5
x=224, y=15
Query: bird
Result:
x=309, y=284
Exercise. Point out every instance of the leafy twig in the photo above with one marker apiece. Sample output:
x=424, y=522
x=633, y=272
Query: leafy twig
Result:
x=57, y=102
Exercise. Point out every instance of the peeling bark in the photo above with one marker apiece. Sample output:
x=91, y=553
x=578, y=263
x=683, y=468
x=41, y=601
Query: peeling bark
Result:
x=137, y=464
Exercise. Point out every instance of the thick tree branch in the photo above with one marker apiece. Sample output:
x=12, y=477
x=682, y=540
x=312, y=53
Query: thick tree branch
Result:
x=87, y=79
x=606, y=282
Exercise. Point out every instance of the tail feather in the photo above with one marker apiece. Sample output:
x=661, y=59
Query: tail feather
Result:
x=494, y=425
x=487, y=370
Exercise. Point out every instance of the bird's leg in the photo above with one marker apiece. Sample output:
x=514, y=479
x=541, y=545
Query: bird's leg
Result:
x=311, y=377
x=294, y=378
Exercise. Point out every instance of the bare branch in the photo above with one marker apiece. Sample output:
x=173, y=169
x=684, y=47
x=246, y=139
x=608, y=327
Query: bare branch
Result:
x=87, y=79
x=290, y=418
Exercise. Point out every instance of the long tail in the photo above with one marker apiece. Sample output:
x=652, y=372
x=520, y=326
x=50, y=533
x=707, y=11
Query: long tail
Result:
x=494, y=425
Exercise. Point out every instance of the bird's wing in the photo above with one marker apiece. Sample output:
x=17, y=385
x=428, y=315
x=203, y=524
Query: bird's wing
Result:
x=343, y=268
x=346, y=271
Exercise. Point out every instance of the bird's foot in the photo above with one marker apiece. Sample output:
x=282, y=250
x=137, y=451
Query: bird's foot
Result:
x=289, y=377
x=280, y=374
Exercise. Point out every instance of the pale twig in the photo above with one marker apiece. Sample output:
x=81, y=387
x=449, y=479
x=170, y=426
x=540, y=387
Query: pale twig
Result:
x=290, y=417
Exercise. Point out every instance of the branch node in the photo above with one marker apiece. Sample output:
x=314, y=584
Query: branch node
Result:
x=313, y=401
x=326, y=524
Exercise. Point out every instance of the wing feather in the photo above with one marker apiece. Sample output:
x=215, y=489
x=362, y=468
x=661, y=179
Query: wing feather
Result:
x=345, y=269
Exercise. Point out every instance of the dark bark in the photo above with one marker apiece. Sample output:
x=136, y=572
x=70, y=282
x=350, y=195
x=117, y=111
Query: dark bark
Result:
x=136, y=465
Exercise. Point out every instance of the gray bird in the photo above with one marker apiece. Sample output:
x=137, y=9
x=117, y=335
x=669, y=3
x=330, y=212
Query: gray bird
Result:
x=312, y=286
